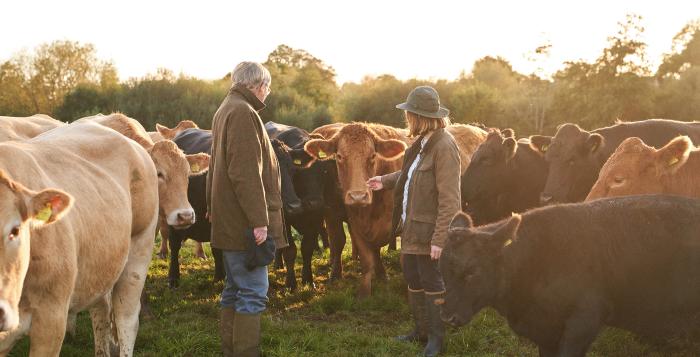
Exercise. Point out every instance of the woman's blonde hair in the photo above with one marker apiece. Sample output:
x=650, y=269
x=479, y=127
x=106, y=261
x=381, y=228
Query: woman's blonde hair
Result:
x=420, y=125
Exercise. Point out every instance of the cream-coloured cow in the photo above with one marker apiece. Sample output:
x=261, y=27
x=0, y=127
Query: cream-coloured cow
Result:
x=78, y=213
x=174, y=167
x=23, y=128
x=164, y=133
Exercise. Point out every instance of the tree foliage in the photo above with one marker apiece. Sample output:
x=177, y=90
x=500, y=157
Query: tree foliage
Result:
x=66, y=79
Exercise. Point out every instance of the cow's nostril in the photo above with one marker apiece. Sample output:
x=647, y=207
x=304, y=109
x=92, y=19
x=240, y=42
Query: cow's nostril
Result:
x=294, y=207
x=185, y=216
x=359, y=196
x=3, y=319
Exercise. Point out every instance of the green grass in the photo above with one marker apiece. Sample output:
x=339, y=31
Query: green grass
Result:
x=327, y=321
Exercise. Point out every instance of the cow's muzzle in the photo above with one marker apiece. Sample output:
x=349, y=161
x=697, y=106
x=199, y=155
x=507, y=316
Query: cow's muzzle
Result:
x=358, y=198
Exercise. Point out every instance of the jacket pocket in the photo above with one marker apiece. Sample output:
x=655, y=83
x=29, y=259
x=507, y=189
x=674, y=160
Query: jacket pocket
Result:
x=423, y=228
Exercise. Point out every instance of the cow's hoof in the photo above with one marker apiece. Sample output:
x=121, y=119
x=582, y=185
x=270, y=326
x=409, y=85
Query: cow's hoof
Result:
x=202, y=256
x=162, y=255
x=291, y=285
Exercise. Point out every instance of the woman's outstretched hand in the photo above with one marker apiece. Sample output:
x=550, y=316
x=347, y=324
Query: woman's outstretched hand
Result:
x=375, y=183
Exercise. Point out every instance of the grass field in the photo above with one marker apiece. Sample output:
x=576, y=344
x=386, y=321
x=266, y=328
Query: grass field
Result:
x=326, y=321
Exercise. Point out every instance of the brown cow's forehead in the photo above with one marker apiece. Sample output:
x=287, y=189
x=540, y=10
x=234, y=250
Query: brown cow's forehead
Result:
x=355, y=139
x=625, y=162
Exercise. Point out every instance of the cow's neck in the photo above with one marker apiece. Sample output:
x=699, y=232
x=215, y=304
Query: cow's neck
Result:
x=513, y=258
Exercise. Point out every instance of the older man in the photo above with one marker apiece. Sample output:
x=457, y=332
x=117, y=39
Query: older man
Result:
x=243, y=194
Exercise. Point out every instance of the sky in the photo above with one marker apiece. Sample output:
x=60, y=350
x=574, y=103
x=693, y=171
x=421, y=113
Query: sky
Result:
x=408, y=39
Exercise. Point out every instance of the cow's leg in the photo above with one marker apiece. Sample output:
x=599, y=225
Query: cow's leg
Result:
x=101, y=325
x=164, y=235
x=289, y=254
x=367, y=260
x=392, y=244
x=309, y=242
x=279, y=261
x=48, y=327
x=126, y=295
x=581, y=328
x=336, y=239
x=324, y=235
x=174, y=269
x=199, y=251
x=219, y=273
x=379, y=267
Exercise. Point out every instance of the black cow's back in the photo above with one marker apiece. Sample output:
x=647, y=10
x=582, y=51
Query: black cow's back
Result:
x=639, y=254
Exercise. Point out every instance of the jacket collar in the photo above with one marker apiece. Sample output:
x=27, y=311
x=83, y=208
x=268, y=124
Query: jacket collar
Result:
x=248, y=96
x=437, y=136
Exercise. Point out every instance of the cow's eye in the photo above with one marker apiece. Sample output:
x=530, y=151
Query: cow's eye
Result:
x=618, y=180
x=161, y=176
x=14, y=233
x=338, y=157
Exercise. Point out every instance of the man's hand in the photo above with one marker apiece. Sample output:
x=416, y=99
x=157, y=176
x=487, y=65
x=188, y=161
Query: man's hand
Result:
x=260, y=234
x=207, y=217
x=375, y=183
x=435, y=252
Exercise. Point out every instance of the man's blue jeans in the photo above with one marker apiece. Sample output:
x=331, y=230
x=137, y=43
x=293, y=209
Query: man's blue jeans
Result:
x=245, y=290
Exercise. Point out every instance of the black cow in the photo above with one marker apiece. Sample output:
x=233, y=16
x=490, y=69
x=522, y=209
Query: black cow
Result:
x=559, y=274
x=504, y=176
x=575, y=156
x=305, y=180
x=193, y=141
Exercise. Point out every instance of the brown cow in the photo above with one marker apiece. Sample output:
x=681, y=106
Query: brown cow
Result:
x=174, y=167
x=62, y=192
x=23, y=128
x=362, y=151
x=636, y=168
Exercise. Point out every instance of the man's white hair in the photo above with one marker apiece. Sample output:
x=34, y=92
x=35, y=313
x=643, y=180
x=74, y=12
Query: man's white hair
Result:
x=251, y=75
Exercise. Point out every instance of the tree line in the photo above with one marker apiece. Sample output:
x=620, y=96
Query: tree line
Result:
x=66, y=80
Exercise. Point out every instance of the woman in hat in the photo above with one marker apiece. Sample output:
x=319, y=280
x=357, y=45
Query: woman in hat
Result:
x=426, y=197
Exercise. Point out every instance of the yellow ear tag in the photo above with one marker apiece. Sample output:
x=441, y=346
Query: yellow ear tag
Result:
x=44, y=214
x=673, y=161
x=194, y=167
x=322, y=154
x=544, y=148
x=297, y=162
x=508, y=242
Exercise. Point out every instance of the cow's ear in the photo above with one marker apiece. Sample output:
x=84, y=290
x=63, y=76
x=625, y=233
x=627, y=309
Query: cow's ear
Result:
x=301, y=158
x=316, y=136
x=460, y=222
x=672, y=156
x=540, y=143
x=389, y=149
x=199, y=163
x=510, y=146
x=48, y=206
x=508, y=133
x=186, y=124
x=166, y=132
x=594, y=143
x=505, y=234
x=320, y=149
